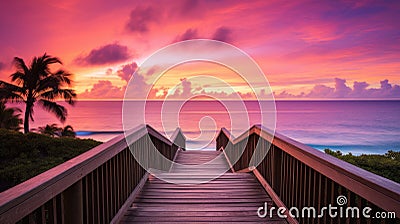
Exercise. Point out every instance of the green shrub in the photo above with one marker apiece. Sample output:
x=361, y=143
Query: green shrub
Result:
x=387, y=165
x=25, y=156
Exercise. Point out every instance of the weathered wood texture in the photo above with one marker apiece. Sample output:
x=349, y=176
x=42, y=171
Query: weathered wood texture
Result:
x=232, y=197
x=90, y=188
x=303, y=176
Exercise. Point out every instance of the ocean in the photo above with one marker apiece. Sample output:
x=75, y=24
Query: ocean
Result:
x=370, y=127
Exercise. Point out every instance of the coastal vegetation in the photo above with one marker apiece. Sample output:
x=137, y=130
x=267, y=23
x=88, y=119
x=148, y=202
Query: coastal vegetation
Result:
x=386, y=165
x=23, y=156
x=54, y=131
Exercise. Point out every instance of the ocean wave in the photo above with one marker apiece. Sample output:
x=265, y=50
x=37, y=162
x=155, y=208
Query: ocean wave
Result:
x=87, y=133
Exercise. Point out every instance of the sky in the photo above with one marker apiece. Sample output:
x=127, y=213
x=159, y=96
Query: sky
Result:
x=306, y=49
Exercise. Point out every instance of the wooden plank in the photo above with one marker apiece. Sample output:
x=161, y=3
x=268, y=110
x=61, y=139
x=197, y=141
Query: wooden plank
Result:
x=253, y=218
x=130, y=199
x=199, y=206
x=202, y=194
x=205, y=191
x=211, y=197
x=227, y=198
x=199, y=200
x=232, y=222
x=273, y=196
x=194, y=208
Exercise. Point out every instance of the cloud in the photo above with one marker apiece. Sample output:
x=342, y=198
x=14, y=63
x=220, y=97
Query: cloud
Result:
x=127, y=71
x=187, y=86
x=360, y=88
x=316, y=92
x=340, y=90
x=184, y=90
x=187, y=35
x=103, y=89
x=152, y=70
x=223, y=34
x=107, y=54
x=138, y=87
x=140, y=19
x=2, y=65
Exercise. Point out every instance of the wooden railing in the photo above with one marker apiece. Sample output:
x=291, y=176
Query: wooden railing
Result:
x=94, y=187
x=296, y=175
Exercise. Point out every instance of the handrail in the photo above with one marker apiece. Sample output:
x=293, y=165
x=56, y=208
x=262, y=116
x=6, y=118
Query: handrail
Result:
x=286, y=157
x=379, y=183
x=94, y=165
x=227, y=134
x=179, y=139
x=177, y=132
x=227, y=159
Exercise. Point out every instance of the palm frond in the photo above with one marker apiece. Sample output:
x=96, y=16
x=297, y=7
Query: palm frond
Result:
x=67, y=94
x=20, y=65
x=51, y=130
x=63, y=76
x=11, y=87
x=40, y=65
x=18, y=76
x=47, y=59
x=68, y=131
x=57, y=109
x=11, y=92
x=53, y=81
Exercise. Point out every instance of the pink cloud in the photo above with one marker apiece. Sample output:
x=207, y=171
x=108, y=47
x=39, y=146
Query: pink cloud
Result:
x=185, y=91
x=103, y=89
x=223, y=34
x=140, y=19
x=127, y=71
x=107, y=54
x=317, y=91
x=340, y=90
x=187, y=35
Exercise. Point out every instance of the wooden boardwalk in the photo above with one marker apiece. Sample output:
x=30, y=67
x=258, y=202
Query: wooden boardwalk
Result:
x=232, y=197
x=107, y=185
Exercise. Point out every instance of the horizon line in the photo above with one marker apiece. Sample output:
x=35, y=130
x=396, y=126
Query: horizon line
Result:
x=279, y=99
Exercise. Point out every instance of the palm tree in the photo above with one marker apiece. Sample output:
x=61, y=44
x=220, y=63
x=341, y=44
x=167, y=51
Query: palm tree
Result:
x=9, y=118
x=51, y=130
x=37, y=83
x=68, y=131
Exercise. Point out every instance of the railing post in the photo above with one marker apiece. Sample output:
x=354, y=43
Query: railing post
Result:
x=73, y=204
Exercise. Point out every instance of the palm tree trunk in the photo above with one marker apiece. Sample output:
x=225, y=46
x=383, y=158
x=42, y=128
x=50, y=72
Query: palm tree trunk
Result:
x=26, y=119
